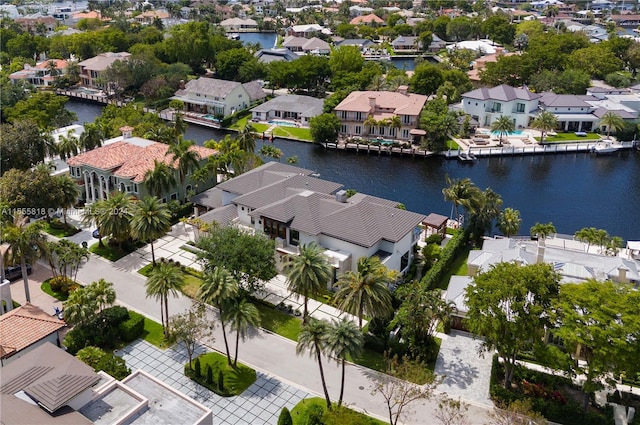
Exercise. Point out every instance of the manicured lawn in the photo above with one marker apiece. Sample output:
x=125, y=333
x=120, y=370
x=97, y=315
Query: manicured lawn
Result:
x=153, y=333
x=46, y=288
x=235, y=380
x=60, y=232
x=258, y=128
x=337, y=416
x=111, y=252
x=369, y=358
x=459, y=268
x=569, y=137
x=278, y=322
x=452, y=145
x=293, y=132
x=192, y=280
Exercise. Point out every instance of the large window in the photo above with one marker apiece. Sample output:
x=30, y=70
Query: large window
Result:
x=274, y=229
x=294, y=237
x=520, y=107
x=404, y=261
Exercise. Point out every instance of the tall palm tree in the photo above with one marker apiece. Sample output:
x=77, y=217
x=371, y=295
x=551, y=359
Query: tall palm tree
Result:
x=313, y=337
x=241, y=314
x=270, y=151
x=612, y=121
x=26, y=243
x=219, y=288
x=462, y=192
x=246, y=138
x=344, y=339
x=586, y=235
x=484, y=210
x=113, y=216
x=70, y=193
x=79, y=307
x=308, y=273
x=503, y=126
x=150, y=220
x=366, y=291
x=184, y=158
x=68, y=146
x=102, y=293
x=509, y=222
x=545, y=122
x=542, y=230
x=369, y=123
x=165, y=279
x=160, y=179
x=92, y=136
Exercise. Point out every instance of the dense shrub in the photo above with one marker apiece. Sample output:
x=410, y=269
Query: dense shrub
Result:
x=102, y=331
x=434, y=239
x=131, y=328
x=62, y=284
x=98, y=359
x=113, y=315
x=285, y=417
x=450, y=252
x=314, y=415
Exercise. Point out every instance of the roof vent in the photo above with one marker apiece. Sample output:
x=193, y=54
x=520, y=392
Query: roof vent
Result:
x=341, y=196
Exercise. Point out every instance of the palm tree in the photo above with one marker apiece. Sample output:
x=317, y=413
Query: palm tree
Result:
x=165, y=279
x=461, y=193
x=503, y=126
x=246, y=138
x=369, y=123
x=313, y=337
x=79, y=307
x=270, y=151
x=484, y=209
x=151, y=219
x=160, y=179
x=113, y=216
x=185, y=156
x=308, y=273
x=366, y=291
x=344, y=339
x=92, y=136
x=541, y=231
x=509, y=222
x=586, y=234
x=612, y=121
x=552, y=12
x=241, y=314
x=219, y=288
x=545, y=122
x=26, y=243
x=102, y=293
x=68, y=146
x=70, y=193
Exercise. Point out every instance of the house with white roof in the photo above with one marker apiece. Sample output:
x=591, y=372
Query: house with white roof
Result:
x=307, y=30
x=289, y=107
x=239, y=24
x=484, y=47
x=486, y=105
x=306, y=46
x=218, y=97
x=288, y=204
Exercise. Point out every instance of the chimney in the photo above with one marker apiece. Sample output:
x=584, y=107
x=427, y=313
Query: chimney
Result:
x=540, y=254
x=126, y=131
x=341, y=196
x=403, y=89
x=622, y=275
x=372, y=102
x=181, y=85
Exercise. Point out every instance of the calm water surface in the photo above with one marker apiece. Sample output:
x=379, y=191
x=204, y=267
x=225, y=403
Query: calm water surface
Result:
x=572, y=191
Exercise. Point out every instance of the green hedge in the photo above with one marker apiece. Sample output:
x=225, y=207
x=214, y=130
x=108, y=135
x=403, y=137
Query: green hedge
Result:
x=101, y=331
x=227, y=121
x=131, y=328
x=449, y=254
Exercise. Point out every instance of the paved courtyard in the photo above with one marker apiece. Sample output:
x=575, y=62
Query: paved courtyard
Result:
x=260, y=404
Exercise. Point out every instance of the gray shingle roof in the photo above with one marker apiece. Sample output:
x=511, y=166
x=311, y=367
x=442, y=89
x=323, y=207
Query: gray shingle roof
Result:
x=274, y=55
x=255, y=91
x=264, y=175
x=284, y=188
x=222, y=215
x=306, y=105
x=211, y=198
x=552, y=100
x=502, y=92
x=211, y=86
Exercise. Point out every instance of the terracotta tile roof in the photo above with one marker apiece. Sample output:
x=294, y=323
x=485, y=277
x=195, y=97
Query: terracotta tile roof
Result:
x=130, y=158
x=401, y=104
x=24, y=326
x=367, y=19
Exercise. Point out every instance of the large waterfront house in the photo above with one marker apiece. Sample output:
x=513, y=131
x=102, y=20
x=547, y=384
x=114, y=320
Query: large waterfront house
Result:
x=43, y=74
x=275, y=55
x=370, y=19
x=121, y=165
x=306, y=46
x=381, y=114
x=50, y=386
x=486, y=105
x=291, y=206
x=289, y=107
x=219, y=97
x=91, y=69
x=239, y=24
x=37, y=23
x=307, y=30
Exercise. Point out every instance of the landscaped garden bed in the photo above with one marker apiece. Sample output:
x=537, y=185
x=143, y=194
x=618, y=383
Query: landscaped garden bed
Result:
x=113, y=252
x=59, y=229
x=317, y=408
x=212, y=371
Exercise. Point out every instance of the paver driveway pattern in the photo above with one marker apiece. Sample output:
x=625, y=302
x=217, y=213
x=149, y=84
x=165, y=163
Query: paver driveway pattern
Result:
x=260, y=404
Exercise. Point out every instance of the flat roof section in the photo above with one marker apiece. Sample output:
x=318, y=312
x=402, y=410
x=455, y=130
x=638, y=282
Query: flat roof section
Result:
x=110, y=407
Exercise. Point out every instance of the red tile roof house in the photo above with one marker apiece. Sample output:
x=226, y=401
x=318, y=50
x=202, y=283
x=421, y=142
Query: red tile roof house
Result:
x=92, y=68
x=370, y=19
x=41, y=75
x=356, y=108
x=121, y=164
x=25, y=328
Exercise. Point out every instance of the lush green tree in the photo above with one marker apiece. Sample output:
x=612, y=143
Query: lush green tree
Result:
x=65, y=258
x=22, y=145
x=545, y=121
x=190, y=328
x=586, y=235
x=542, y=230
x=308, y=273
x=484, y=209
x=229, y=62
x=67, y=146
x=241, y=315
x=160, y=179
x=344, y=339
x=247, y=138
x=84, y=303
x=45, y=108
x=508, y=306
x=24, y=240
x=509, y=222
x=285, y=417
x=324, y=128
x=504, y=125
x=35, y=189
x=249, y=258
x=612, y=121
x=69, y=194
x=112, y=216
x=346, y=59
x=439, y=123
x=426, y=78
x=313, y=338
x=219, y=288
x=462, y=192
x=459, y=28
x=270, y=151
x=99, y=359
x=511, y=70
x=150, y=220
x=366, y=291
x=598, y=322
x=184, y=157
x=498, y=28
x=598, y=60
x=165, y=279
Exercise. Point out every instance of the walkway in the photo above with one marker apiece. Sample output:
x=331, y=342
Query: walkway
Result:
x=260, y=404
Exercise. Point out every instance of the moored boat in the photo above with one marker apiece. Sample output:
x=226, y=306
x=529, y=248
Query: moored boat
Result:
x=605, y=146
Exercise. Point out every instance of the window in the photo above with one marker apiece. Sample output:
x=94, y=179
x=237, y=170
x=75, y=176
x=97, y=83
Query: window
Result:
x=135, y=187
x=128, y=188
x=274, y=229
x=164, y=200
x=381, y=129
x=294, y=237
x=405, y=133
x=344, y=128
x=198, y=94
x=240, y=96
x=277, y=114
x=392, y=132
x=358, y=116
x=342, y=114
x=174, y=196
x=497, y=107
x=357, y=129
x=520, y=107
x=122, y=188
x=404, y=261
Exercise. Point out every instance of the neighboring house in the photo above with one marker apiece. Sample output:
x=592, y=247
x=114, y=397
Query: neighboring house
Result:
x=121, y=164
x=486, y=105
x=24, y=329
x=359, y=11
x=149, y=16
x=91, y=69
x=573, y=111
x=305, y=46
x=437, y=44
x=50, y=386
x=406, y=44
x=289, y=106
x=626, y=21
x=37, y=23
x=481, y=63
x=275, y=55
x=483, y=47
x=308, y=30
x=44, y=74
x=381, y=106
x=369, y=19
x=219, y=97
x=291, y=206
x=360, y=43
x=239, y=24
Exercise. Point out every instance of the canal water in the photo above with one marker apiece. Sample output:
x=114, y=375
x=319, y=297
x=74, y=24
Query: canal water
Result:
x=570, y=190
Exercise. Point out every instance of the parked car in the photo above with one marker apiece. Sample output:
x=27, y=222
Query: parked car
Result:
x=15, y=272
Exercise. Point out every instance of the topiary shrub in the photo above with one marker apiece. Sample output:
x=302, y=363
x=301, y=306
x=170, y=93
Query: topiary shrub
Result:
x=220, y=381
x=285, y=417
x=131, y=328
x=113, y=316
x=209, y=375
x=196, y=368
x=434, y=239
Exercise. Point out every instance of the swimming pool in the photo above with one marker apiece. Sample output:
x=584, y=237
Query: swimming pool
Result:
x=210, y=118
x=283, y=123
x=382, y=141
x=496, y=134
x=87, y=90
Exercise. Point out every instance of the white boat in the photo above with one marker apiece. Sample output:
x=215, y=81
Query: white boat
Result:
x=466, y=156
x=233, y=36
x=606, y=146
